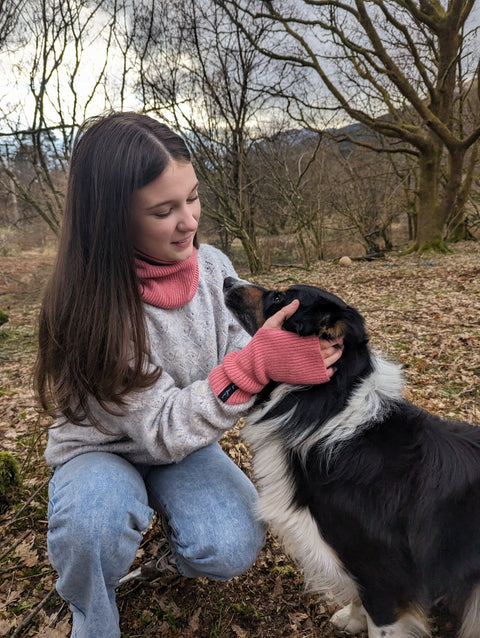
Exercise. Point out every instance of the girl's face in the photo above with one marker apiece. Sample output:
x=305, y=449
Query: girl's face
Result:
x=165, y=214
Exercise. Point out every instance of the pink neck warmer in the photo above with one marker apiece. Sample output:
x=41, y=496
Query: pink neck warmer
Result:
x=169, y=285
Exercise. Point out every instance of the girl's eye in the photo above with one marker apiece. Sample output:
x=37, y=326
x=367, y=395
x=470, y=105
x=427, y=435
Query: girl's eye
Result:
x=162, y=214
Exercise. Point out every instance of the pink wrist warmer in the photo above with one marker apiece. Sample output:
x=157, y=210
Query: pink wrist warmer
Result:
x=271, y=355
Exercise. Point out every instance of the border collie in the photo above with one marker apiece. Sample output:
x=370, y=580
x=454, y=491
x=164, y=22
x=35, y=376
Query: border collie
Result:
x=377, y=500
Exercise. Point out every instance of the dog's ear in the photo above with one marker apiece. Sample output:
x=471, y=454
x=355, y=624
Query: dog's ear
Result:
x=295, y=325
x=302, y=323
x=312, y=318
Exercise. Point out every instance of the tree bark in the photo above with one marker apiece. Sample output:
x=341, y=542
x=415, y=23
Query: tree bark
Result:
x=430, y=219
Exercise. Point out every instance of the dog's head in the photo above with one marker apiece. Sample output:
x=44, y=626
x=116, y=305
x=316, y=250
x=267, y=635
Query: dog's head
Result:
x=320, y=313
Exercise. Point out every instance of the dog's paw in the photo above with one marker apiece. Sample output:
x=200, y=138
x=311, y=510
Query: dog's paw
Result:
x=351, y=619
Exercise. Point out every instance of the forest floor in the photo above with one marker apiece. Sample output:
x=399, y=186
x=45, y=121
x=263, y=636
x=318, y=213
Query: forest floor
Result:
x=422, y=312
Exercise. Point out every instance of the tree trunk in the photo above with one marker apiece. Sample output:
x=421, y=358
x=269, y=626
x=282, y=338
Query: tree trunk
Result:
x=15, y=215
x=255, y=262
x=412, y=218
x=457, y=228
x=430, y=219
x=303, y=247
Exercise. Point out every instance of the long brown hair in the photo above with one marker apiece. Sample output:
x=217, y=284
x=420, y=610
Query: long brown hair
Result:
x=92, y=335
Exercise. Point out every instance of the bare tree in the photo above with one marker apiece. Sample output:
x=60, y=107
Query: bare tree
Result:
x=398, y=66
x=209, y=80
x=9, y=11
x=364, y=191
x=291, y=169
x=65, y=54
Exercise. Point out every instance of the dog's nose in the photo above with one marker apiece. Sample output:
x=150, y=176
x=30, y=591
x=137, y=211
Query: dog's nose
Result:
x=228, y=282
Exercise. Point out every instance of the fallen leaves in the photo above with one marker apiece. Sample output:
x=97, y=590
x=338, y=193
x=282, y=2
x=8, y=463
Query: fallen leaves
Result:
x=5, y=626
x=26, y=553
x=61, y=630
x=426, y=315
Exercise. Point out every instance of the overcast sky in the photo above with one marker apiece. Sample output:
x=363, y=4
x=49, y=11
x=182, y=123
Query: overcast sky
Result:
x=16, y=99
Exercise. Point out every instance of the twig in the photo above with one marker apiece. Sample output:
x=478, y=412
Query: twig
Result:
x=5, y=571
x=470, y=390
x=26, y=621
x=17, y=542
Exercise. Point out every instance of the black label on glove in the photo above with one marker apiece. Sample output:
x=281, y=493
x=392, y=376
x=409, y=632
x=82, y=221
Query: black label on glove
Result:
x=227, y=392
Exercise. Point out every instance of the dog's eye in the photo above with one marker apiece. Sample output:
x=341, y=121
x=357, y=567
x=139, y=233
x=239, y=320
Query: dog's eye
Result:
x=277, y=298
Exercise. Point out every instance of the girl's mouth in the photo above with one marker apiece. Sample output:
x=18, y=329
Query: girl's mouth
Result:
x=182, y=242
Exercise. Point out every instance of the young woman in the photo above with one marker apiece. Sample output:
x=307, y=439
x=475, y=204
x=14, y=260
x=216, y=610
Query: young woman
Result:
x=144, y=369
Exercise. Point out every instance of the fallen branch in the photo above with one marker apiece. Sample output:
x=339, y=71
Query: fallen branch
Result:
x=17, y=542
x=33, y=613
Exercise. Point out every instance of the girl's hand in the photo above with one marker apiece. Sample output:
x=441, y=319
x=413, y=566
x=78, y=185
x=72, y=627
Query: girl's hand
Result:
x=276, y=320
x=331, y=350
x=331, y=353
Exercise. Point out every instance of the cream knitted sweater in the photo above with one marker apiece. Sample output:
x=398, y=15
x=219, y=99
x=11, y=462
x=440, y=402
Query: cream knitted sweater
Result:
x=180, y=412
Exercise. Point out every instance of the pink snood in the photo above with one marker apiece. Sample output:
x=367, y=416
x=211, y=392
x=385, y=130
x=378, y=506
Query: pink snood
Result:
x=271, y=355
x=167, y=285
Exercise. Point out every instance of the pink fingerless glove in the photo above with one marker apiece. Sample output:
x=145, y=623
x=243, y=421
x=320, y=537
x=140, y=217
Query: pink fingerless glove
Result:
x=271, y=355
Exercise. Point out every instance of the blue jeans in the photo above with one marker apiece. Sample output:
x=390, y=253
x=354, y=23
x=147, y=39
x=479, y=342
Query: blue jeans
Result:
x=100, y=504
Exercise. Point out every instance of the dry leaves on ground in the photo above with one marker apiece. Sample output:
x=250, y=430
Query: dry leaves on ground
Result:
x=424, y=313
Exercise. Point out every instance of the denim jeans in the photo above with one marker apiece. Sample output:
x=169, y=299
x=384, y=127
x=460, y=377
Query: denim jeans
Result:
x=100, y=504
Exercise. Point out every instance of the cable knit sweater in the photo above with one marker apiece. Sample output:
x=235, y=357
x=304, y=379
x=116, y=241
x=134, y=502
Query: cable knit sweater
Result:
x=180, y=412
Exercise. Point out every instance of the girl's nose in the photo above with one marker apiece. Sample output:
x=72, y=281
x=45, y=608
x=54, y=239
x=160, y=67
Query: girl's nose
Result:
x=188, y=219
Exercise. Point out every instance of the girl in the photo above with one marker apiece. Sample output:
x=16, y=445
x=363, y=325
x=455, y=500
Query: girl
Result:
x=145, y=370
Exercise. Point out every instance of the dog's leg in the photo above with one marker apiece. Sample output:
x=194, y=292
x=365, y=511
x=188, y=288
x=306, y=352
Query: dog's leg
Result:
x=407, y=626
x=351, y=618
x=471, y=616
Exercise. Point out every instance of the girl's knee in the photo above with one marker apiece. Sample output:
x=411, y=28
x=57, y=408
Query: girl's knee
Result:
x=222, y=554
x=97, y=506
x=237, y=556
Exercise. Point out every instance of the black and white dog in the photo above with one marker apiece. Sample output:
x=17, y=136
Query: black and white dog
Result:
x=377, y=500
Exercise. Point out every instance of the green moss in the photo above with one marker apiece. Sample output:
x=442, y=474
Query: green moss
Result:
x=248, y=612
x=3, y=317
x=433, y=245
x=285, y=571
x=9, y=477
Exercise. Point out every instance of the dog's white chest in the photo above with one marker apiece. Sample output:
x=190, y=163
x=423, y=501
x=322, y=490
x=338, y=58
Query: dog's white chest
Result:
x=295, y=527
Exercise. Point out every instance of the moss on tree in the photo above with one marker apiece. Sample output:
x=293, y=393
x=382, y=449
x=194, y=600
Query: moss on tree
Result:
x=434, y=245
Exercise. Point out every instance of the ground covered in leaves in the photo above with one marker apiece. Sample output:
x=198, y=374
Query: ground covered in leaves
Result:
x=423, y=312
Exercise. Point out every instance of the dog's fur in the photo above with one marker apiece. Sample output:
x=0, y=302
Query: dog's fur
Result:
x=377, y=500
